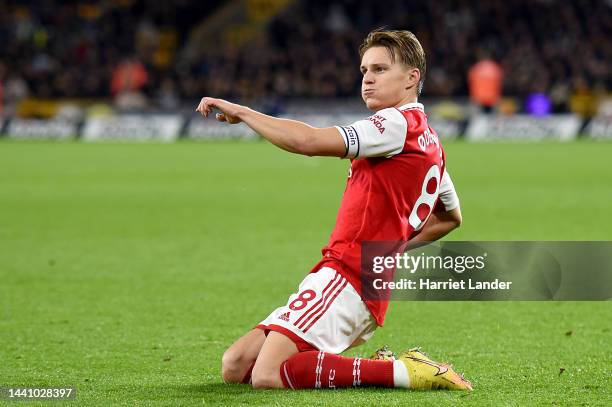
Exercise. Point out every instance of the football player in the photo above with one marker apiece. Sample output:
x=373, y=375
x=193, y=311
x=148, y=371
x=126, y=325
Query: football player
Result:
x=397, y=178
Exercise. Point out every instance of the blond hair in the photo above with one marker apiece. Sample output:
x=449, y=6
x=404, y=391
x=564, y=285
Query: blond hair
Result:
x=401, y=42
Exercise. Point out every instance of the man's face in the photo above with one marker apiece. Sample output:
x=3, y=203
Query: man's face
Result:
x=385, y=82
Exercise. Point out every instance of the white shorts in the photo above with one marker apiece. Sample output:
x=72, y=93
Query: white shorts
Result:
x=326, y=314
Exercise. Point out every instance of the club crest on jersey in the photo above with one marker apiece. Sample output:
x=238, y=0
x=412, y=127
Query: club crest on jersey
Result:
x=378, y=120
x=426, y=139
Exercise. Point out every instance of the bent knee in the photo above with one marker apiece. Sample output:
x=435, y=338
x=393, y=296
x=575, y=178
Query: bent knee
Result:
x=233, y=366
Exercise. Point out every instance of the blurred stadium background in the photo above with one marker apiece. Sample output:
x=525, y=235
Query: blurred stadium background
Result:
x=76, y=68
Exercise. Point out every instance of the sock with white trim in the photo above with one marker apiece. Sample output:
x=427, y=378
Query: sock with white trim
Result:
x=321, y=370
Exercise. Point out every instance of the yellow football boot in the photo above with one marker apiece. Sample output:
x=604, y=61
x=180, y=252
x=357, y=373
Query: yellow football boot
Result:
x=426, y=374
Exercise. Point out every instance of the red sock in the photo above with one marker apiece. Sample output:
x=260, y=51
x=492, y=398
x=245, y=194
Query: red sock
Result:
x=316, y=370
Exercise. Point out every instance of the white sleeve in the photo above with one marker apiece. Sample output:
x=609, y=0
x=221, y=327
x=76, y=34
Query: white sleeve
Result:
x=448, y=195
x=380, y=135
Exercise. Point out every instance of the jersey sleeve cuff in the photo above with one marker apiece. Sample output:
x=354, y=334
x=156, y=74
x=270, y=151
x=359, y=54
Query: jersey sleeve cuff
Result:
x=450, y=203
x=351, y=140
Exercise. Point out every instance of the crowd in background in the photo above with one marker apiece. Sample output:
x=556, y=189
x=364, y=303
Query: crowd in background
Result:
x=95, y=49
x=99, y=48
x=555, y=47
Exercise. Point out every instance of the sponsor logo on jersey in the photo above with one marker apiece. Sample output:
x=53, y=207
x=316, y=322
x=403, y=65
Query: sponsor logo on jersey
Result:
x=378, y=120
x=285, y=316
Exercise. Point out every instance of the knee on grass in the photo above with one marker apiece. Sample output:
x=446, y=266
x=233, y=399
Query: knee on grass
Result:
x=233, y=366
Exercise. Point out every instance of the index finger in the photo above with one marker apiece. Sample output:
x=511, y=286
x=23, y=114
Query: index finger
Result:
x=201, y=105
x=205, y=106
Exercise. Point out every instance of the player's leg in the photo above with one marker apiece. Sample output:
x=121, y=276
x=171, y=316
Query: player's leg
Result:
x=281, y=365
x=276, y=349
x=412, y=370
x=238, y=359
x=323, y=370
x=329, y=315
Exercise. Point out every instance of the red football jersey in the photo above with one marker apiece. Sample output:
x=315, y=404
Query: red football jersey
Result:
x=397, y=166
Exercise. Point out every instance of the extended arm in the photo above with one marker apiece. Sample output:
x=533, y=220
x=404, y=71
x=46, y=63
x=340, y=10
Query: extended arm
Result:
x=290, y=135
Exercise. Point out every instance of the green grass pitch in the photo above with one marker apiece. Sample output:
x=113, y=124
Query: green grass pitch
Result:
x=126, y=270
